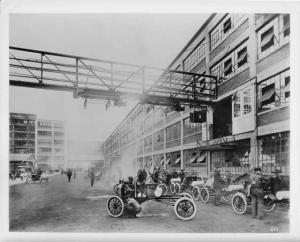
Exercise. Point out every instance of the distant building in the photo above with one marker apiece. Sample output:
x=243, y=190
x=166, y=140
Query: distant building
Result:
x=22, y=133
x=50, y=143
x=84, y=154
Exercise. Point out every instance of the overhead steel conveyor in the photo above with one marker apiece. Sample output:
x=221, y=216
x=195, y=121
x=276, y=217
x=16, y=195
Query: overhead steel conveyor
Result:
x=92, y=78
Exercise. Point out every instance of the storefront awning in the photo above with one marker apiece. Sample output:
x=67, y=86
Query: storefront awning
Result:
x=193, y=159
x=269, y=94
x=168, y=161
x=162, y=161
x=177, y=160
x=202, y=157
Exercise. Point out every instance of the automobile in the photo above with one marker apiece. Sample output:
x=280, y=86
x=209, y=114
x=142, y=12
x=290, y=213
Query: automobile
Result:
x=272, y=196
x=184, y=206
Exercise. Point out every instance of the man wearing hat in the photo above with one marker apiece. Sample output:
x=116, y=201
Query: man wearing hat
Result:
x=257, y=194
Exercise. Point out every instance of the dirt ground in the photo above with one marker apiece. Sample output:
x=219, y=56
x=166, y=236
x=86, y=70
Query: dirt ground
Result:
x=59, y=206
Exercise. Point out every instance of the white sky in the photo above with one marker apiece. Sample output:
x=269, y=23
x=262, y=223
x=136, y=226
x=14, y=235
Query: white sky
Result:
x=145, y=39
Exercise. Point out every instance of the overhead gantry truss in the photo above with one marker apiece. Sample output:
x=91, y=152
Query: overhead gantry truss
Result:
x=91, y=78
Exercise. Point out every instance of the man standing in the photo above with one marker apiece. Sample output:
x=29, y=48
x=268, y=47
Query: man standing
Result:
x=181, y=175
x=92, y=177
x=218, y=184
x=69, y=174
x=257, y=194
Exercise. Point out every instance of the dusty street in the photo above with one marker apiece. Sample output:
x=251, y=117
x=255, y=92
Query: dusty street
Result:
x=59, y=206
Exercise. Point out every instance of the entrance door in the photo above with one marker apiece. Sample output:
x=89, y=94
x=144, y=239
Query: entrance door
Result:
x=217, y=159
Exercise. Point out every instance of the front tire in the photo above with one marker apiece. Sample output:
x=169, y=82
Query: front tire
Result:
x=185, y=208
x=115, y=206
x=196, y=193
x=164, y=189
x=204, y=194
x=269, y=204
x=239, y=203
x=172, y=187
x=177, y=188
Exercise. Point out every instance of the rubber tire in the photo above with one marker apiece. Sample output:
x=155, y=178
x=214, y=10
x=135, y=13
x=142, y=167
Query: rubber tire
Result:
x=177, y=188
x=196, y=189
x=176, y=205
x=204, y=189
x=271, y=208
x=244, y=199
x=164, y=188
x=116, y=189
x=107, y=207
x=172, y=187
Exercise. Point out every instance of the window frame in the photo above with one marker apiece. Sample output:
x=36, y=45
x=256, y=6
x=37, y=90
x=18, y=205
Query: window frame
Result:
x=198, y=53
x=280, y=90
x=217, y=35
x=278, y=32
x=218, y=68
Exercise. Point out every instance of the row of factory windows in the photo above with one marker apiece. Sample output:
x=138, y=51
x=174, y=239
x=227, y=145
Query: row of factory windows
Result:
x=49, y=133
x=273, y=154
x=273, y=92
x=49, y=124
x=271, y=36
x=22, y=122
x=21, y=128
x=21, y=150
x=49, y=150
x=21, y=136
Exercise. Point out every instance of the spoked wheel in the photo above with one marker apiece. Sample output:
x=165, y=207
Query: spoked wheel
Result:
x=204, y=194
x=177, y=188
x=115, y=206
x=239, y=203
x=116, y=188
x=185, y=208
x=164, y=189
x=172, y=187
x=196, y=193
x=269, y=204
x=185, y=194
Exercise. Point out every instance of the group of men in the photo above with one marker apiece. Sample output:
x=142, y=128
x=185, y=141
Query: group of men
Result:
x=256, y=189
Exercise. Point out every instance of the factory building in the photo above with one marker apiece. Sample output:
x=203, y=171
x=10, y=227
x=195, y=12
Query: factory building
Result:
x=50, y=144
x=22, y=133
x=246, y=126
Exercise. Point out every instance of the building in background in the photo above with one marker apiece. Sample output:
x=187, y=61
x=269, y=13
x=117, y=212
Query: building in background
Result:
x=22, y=133
x=84, y=154
x=248, y=125
x=50, y=143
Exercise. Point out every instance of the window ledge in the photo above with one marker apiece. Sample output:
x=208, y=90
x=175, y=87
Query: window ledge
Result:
x=238, y=72
x=273, y=109
x=229, y=34
x=270, y=53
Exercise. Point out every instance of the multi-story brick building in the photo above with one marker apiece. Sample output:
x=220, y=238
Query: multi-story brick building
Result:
x=50, y=143
x=247, y=126
x=22, y=133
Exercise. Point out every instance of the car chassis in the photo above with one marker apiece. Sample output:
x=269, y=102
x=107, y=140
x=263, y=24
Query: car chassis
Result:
x=184, y=206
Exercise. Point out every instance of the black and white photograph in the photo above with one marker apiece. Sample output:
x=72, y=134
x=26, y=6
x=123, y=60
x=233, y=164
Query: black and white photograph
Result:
x=149, y=122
